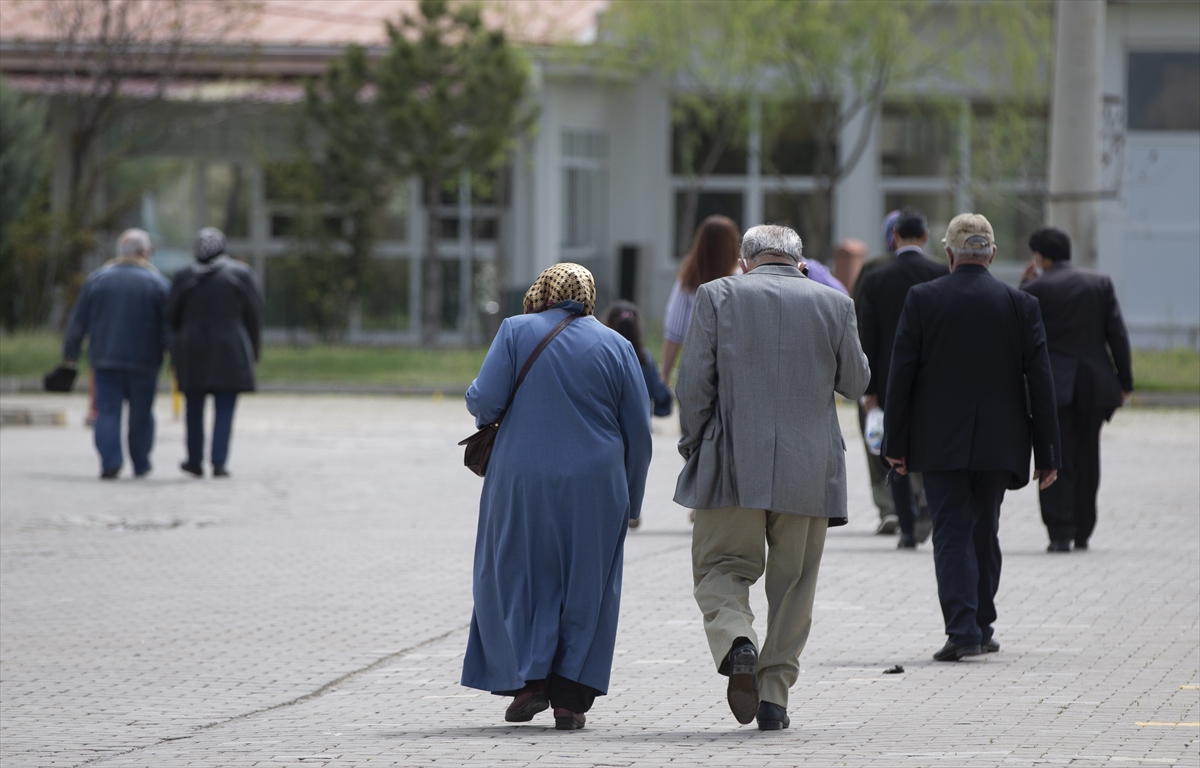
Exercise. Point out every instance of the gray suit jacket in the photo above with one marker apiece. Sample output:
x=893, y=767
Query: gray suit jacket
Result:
x=763, y=357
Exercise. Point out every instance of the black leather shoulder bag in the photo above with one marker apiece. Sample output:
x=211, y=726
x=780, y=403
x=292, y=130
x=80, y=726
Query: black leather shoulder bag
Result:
x=479, y=445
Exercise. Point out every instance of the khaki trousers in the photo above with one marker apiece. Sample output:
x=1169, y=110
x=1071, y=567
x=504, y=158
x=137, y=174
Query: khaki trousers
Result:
x=731, y=548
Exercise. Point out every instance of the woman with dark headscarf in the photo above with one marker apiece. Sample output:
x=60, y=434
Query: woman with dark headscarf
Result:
x=215, y=309
x=567, y=473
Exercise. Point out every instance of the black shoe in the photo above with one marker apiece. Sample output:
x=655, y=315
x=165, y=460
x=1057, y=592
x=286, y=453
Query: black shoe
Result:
x=110, y=474
x=923, y=525
x=1081, y=544
x=742, y=693
x=906, y=542
x=772, y=717
x=192, y=469
x=220, y=471
x=1059, y=545
x=952, y=651
x=566, y=720
x=991, y=646
x=529, y=701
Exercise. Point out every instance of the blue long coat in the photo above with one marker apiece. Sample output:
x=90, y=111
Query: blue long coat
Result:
x=567, y=473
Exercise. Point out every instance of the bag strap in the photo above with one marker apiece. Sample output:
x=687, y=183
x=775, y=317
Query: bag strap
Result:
x=529, y=363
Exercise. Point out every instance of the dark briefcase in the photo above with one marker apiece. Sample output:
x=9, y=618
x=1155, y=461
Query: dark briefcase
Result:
x=61, y=379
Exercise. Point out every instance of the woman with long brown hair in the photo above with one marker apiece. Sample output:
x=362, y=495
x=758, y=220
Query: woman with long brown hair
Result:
x=714, y=254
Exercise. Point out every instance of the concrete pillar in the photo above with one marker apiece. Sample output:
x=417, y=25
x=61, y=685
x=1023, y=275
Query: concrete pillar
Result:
x=1075, y=123
x=858, y=199
x=754, y=195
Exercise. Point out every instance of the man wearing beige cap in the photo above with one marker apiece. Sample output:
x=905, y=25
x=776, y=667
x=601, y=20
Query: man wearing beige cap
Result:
x=967, y=349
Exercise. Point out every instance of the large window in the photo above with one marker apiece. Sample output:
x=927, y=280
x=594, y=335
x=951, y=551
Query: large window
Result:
x=585, y=189
x=790, y=138
x=1164, y=91
x=917, y=141
x=700, y=139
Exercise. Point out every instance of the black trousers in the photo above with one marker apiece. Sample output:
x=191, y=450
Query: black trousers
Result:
x=1069, y=506
x=562, y=692
x=569, y=694
x=965, y=507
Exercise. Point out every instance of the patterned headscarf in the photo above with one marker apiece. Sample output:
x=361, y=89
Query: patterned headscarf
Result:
x=210, y=243
x=562, y=282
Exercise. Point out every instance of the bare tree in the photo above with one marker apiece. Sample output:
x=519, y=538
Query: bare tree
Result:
x=109, y=59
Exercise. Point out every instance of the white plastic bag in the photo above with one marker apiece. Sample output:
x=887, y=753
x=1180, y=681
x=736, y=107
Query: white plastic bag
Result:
x=874, y=430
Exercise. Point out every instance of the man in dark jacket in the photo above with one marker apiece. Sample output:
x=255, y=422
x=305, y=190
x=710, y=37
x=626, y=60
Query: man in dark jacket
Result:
x=216, y=310
x=1083, y=328
x=967, y=351
x=120, y=309
x=879, y=306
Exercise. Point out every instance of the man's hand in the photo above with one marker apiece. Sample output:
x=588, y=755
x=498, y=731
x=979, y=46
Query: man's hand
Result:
x=68, y=363
x=870, y=402
x=1045, y=477
x=1029, y=272
x=899, y=464
x=1126, y=397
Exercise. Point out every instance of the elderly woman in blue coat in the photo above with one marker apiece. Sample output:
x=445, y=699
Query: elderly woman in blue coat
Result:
x=566, y=475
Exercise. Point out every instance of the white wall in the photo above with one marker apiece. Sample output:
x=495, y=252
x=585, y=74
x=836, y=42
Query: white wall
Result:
x=1149, y=234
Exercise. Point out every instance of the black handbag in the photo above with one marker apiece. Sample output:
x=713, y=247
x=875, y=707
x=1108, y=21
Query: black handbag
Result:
x=61, y=379
x=478, y=450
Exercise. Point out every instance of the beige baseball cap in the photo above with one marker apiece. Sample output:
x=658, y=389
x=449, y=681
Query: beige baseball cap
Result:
x=969, y=230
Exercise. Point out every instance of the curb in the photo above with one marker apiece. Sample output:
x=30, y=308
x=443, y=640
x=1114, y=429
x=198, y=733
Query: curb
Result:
x=17, y=384
x=12, y=384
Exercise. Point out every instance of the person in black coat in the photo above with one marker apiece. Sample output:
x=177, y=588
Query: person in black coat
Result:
x=880, y=303
x=1087, y=340
x=967, y=350
x=216, y=309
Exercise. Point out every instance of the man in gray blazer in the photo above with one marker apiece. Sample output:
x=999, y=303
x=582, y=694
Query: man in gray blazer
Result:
x=766, y=465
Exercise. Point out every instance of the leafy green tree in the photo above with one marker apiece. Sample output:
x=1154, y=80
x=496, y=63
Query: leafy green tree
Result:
x=99, y=46
x=350, y=176
x=452, y=93
x=708, y=53
x=829, y=64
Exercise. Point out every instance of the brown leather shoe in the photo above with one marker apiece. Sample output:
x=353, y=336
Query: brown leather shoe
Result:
x=566, y=720
x=529, y=701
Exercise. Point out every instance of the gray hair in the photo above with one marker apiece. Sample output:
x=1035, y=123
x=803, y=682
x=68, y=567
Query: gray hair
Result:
x=772, y=237
x=134, y=242
x=972, y=254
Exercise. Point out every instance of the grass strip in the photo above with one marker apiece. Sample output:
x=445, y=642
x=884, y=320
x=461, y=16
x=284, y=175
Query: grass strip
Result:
x=30, y=354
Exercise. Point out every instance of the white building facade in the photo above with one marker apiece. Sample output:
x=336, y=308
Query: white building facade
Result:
x=600, y=182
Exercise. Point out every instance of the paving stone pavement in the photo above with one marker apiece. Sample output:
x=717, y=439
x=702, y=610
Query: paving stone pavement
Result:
x=312, y=610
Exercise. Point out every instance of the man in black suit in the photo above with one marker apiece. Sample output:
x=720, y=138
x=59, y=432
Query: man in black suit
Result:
x=1083, y=328
x=880, y=304
x=967, y=351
